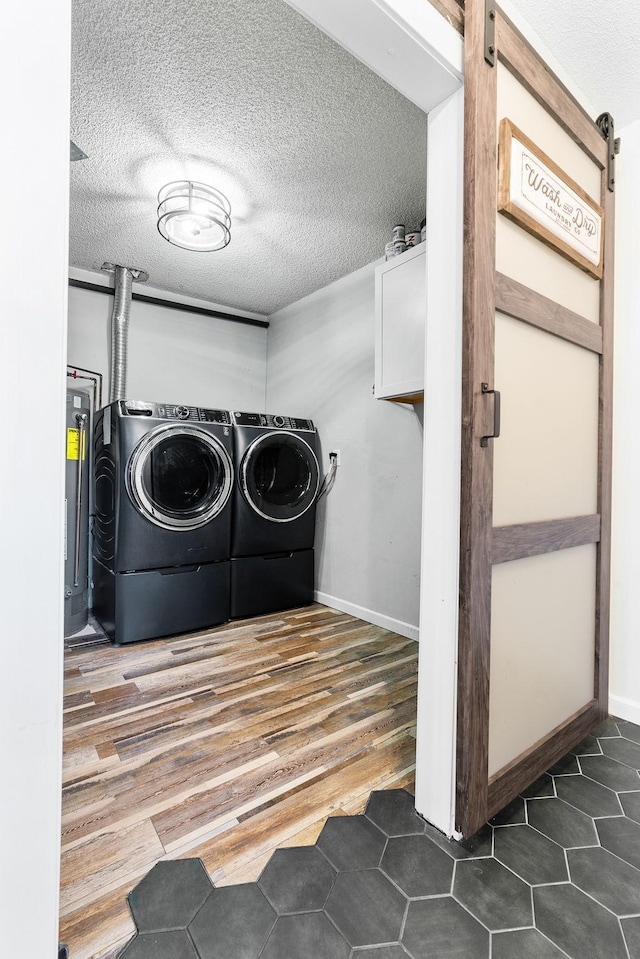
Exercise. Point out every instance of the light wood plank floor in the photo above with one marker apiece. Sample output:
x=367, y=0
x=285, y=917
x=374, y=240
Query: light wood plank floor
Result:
x=222, y=744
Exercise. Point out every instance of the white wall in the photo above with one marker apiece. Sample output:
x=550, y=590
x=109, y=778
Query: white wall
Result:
x=321, y=365
x=437, y=660
x=34, y=165
x=624, y=686
x=173, y=356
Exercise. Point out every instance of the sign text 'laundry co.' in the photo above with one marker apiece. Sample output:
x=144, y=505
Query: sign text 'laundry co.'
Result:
x=534, y=192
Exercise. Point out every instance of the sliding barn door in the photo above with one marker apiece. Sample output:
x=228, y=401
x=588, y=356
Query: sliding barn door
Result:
x=534, y=583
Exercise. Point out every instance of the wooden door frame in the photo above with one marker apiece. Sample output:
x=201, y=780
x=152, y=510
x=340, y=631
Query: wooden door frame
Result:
x=478, y=797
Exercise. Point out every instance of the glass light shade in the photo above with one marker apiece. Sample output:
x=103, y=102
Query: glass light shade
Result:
x=194, y=216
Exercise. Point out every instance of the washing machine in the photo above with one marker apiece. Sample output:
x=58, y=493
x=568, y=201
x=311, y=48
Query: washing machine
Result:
x=163, y=479
x=274, y=502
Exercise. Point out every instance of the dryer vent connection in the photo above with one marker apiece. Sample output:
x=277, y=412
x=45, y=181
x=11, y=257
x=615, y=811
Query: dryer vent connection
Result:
x=123, y=280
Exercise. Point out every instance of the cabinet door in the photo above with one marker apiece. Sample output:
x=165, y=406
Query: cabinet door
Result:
x=400, y=323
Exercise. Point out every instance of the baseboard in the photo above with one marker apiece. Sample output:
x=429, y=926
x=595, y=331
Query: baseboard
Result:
x=368, y=615
x=623, y=708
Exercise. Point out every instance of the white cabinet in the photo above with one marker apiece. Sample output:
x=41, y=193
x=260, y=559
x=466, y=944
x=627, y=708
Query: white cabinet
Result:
x=400, y=317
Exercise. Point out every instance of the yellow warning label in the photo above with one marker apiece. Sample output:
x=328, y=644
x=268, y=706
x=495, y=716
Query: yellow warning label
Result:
x=73, y=442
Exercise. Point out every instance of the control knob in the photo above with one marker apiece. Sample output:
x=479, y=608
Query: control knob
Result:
x=182, y=412
x=278, y=420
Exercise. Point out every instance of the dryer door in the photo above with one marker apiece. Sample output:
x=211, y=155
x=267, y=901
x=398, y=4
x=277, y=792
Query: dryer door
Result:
x=280, y=476
x=179, y=476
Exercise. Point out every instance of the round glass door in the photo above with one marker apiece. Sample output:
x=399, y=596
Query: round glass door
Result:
x=280, y=476
x=180, y=477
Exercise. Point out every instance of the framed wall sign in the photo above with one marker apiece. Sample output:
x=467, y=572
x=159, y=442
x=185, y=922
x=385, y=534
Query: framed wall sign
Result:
x=535, y=193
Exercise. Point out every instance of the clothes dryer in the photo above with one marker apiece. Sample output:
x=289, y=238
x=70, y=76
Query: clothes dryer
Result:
x=273, y=525
x=163, y=477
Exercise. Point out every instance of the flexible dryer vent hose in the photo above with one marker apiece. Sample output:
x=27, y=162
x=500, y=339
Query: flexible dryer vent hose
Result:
x=123, y=283
x=119, y=332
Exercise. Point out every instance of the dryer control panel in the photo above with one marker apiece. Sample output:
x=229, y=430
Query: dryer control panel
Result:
x=267, y=421
x=171, y=411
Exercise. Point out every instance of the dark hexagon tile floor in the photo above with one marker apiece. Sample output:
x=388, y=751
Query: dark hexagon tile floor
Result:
x=493, y=894
x=631, y=930
x=554, y=875
x=297, y=880
x=170, y=895
x=417, y=866
x=366, y=907
x=530, y=855
x=577, y=924
x=351, y=842
x=523, y=944
x=310, y=934
x=631, y=805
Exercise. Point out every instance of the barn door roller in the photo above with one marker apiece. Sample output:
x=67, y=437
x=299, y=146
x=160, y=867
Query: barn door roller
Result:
x=605, y=123
x=490, y=32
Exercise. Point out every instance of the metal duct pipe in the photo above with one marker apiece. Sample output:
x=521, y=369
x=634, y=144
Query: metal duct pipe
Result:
x=119, y=333
x=123, y=282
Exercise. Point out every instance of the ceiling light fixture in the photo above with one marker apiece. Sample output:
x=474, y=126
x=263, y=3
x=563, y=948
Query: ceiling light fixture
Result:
x=194, y=216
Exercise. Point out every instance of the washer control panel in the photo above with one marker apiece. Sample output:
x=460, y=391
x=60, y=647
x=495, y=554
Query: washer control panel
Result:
x=267, y=421
x=215, y=416
x=170, y=411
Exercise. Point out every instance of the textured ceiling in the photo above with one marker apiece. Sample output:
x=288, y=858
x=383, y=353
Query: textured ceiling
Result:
x=597, y=42
x=318, y=155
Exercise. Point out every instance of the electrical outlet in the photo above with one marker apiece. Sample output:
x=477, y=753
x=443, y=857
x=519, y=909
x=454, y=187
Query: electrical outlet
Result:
x=336, y=453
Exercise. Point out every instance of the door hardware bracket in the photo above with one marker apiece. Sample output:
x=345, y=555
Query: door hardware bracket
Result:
x=606, y=127
x=484, y=440
x=490, y=33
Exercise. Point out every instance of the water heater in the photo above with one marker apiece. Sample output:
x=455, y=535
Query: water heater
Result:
x=77, y=440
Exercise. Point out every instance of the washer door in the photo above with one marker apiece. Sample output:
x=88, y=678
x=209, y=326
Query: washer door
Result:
x=280, y=476
x=179, y=476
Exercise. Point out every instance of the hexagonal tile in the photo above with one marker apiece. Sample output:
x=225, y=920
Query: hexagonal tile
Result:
x=393, y=811
x=588, y=796
x=442, y=929
x=621, y=836
x=234, y=923
x=303, y=936
x=631, y=805
x=577, y=924
x=160, y=945
x=513, y=813
x=523, y=944
x=623, y=751
x=609, y=772
x=567, y=766
x=531, y=855
x=589, y=746
x=366, y=907
x=170, y=895
x=394, y=951
x=493, y=894
x=631, y=931
x=476, y=847
x=540, y=789
x=351, y=842
x=297, y=880
x=606, y=729
x=608, y=879
x=629, y=731
x=418, y=866
x=565, y=824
